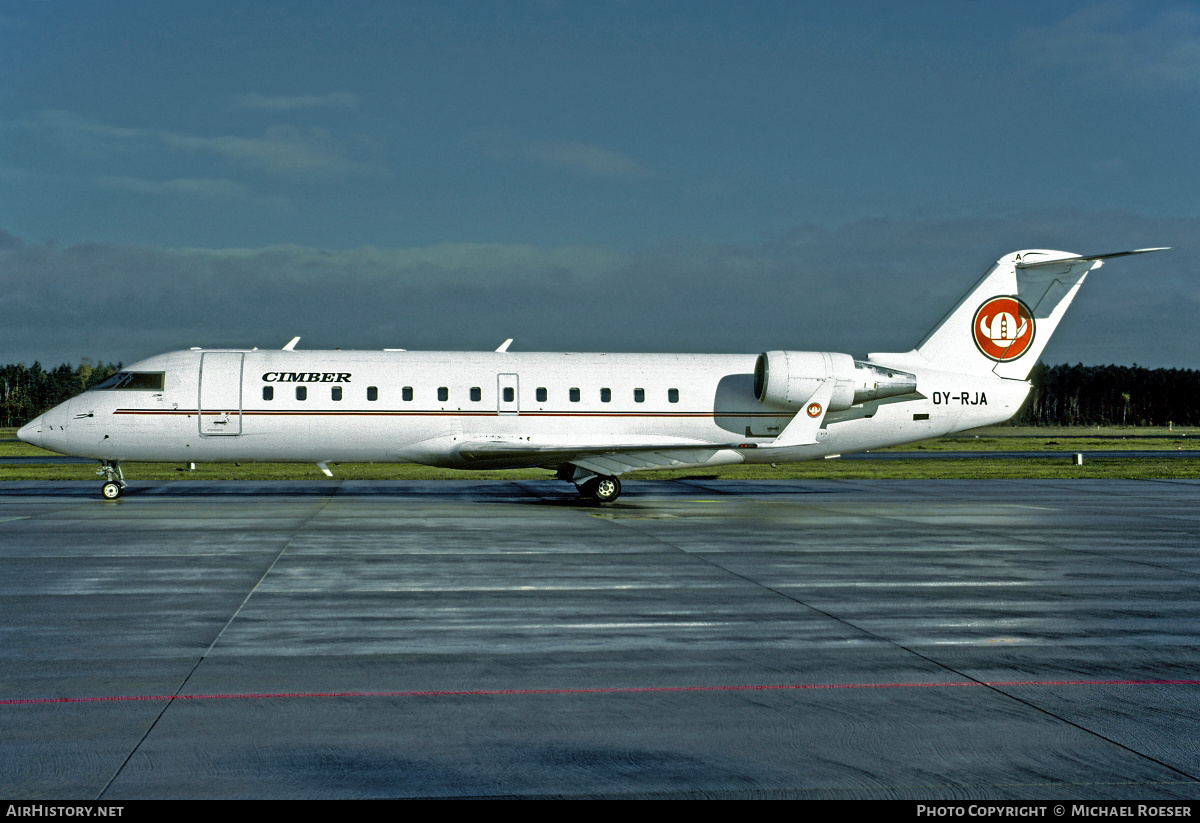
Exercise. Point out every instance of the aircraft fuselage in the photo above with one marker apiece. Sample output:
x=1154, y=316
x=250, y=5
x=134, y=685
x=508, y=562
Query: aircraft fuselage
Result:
x=591, y=417
x=432, y=407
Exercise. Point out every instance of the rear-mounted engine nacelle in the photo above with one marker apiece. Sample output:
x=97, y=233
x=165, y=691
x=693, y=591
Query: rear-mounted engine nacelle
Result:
x=790, y=378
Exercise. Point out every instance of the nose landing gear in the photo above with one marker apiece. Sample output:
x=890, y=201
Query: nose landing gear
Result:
x=114, y=481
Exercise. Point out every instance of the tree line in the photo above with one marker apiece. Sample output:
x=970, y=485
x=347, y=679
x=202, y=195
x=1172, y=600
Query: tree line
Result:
x=27, y=391
x=1062, y=395
x=1111, y=396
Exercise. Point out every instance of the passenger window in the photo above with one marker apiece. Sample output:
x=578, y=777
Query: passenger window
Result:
x=268, y=392
x=443, y=393
x=406, y=393
x=605, y=395
x=302, y=392
x=336, y=392
x=639, y=395
x=476, y=394
x=672, y=395
x=372, y=392
x=574, y=395
x=541, y=394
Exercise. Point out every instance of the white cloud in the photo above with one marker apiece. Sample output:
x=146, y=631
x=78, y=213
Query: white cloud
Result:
x=575, y=156
x=461, y=265
x=586, y=158
x=200, y=187
x=874, y=285
x=16, y=175
x=263, y=102
x=1109, y=44
x=282, y=150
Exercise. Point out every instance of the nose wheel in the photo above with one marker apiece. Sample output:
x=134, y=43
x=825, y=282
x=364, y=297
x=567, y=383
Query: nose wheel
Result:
x=602, y=489
x=114, y=479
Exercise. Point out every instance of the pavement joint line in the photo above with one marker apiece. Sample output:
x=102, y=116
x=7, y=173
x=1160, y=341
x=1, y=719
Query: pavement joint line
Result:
x=947, y=667
x=944, y=519
x=1036, y=540
x=171, y=698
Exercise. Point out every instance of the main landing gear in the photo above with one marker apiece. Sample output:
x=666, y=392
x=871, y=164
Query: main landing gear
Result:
x=114, y=479
x=599, y=487
x=602, y=489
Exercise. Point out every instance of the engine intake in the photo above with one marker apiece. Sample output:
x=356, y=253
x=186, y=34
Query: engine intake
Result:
x=790, y=378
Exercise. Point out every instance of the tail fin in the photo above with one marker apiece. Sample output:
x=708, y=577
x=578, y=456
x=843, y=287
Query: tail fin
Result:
x=1005, y=321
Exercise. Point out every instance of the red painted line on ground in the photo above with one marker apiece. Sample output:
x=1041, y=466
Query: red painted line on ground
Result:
x=599, y=690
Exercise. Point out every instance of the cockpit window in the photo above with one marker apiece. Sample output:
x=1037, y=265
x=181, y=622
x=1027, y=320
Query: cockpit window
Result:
x=145, y=380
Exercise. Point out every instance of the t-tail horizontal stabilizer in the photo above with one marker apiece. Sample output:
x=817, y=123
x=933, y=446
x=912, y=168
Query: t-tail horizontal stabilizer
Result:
x=1075, y=258
x=1004, y=323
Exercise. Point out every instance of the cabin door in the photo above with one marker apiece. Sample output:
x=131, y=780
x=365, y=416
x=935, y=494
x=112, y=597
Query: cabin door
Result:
x=221, y=393
x=507, y=397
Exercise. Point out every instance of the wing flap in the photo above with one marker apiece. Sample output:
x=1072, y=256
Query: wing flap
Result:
x=607, y=459
x=613, y=463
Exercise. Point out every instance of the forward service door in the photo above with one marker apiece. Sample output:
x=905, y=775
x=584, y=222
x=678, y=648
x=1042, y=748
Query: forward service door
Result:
x=221, y=393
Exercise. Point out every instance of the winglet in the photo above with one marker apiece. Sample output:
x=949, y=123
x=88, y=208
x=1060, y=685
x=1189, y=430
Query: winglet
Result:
x=291, y=344
x=504, y=346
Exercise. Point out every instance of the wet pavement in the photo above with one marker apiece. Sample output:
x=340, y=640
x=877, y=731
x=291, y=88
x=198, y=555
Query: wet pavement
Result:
x=824, y=639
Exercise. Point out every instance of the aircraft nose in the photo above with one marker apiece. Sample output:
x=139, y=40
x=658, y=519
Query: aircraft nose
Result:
x=31, y=432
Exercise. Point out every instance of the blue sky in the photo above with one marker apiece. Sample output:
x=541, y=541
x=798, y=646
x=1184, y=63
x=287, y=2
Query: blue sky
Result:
x=622, y=176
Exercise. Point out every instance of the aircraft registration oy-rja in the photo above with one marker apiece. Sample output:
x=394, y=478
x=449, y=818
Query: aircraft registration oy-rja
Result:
x=589, y=417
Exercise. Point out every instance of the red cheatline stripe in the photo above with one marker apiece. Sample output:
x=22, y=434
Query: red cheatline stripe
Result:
x=440, y=413
x=612, y=690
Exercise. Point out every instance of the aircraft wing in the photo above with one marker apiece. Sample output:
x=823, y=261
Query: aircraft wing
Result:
x=606, y=459
x=613, y=463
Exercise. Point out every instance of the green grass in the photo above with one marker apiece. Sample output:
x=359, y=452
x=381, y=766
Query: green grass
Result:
x=1065, y=439
x=995, y=440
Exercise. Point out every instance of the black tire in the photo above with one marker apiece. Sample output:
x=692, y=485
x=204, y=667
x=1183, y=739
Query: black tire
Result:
x=111, y=490
x=606, y=489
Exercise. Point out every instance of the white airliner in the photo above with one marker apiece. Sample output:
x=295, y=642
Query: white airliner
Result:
x=592, y=417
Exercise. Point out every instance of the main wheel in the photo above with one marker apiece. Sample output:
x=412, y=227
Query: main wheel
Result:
x=607, y=489
x=111, y=490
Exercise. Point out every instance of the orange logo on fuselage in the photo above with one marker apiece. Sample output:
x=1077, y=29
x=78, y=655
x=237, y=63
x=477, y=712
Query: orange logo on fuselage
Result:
x=1003, y=328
